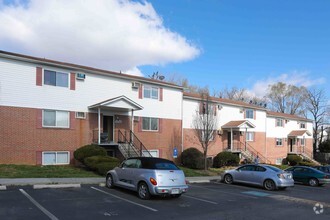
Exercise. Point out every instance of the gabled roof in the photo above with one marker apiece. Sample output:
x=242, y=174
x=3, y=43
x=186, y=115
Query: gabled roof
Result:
x=77, y=67
x=296, y=133
x=238, y=124
x=288, y=116
x=120, y=102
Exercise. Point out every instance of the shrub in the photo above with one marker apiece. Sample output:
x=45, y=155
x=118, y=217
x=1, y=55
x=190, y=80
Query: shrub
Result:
x=225, y=159
x=93, y=161
x=293, y=159
x=192, y=158
x=87, y=151
x=325, y=146
x=306, y=163
x=104, y=167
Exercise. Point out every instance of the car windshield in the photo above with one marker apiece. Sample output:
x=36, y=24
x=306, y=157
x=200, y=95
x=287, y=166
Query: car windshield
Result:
x=274, y=168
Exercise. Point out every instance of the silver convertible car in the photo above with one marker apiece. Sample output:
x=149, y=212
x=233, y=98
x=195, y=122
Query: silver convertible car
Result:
x=267, y=176
x=148, y=176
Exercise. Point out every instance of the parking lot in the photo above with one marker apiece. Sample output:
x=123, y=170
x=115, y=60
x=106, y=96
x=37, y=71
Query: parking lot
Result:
x=203, y=201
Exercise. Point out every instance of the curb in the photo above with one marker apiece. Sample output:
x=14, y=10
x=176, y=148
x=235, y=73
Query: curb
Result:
x=56, y=186
x=3, y=188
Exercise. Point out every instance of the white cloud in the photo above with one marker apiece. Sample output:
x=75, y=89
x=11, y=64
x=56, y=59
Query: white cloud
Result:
x=293, y=78
x=110, y=34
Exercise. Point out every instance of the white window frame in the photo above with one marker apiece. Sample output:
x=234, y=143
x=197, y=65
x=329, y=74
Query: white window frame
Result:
x=302, y=141
x=151, y=89
x=56, y=126
x=281, y=142
x=248, y=136
x=279, y=122
x=144, y=152
x=247, y=115
x=56, y=152
x=81, y=115
x=56, y=71
x=150, y=124
x=279, y=161
x=302, y=125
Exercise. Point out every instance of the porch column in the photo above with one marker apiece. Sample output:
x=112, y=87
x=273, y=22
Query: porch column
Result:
x=132, y=120
x=99, y=124
x=231, y=139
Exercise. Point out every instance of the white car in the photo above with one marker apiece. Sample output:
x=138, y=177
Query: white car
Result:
x=148, y=176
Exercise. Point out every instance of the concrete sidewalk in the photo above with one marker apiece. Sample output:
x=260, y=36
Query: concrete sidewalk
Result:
x=69, y=181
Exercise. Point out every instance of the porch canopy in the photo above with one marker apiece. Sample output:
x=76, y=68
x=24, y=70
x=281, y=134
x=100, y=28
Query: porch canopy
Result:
x=299, y=133
x=240, y=125
x=117, y=104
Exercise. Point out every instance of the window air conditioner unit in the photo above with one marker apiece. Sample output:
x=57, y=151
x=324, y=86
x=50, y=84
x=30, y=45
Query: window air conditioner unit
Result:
x=241, y=110
x=81, y=115
x=135, y=85
x=136, y=118
x=80, y=76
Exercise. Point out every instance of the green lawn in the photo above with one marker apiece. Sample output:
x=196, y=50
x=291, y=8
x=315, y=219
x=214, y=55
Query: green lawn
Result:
x=210, y=172
x=26, y=171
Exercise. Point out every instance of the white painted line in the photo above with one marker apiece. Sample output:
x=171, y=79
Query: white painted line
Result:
x=45, y=211
x=3, y=187
x=56, y=186
x=225, y=192
x=203, y=200
x=146, y=207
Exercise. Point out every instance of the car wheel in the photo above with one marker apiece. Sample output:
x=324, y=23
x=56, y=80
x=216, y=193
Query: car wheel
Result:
x=143, y=191
x=269, y=185
x=176, y=196
x=313, y=182
x=228, y=179
x=109, y=181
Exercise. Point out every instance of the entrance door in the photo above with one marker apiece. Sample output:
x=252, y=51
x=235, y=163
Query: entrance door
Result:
x=229, y=140
x=108, y=127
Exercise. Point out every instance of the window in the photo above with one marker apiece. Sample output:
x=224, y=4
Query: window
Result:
x=302, y=125
x=279, y=122
x=150, y=124
x=54, y=78
x=302, y=141
x=130, y=163
x=153, y=153
x=278, y=161
x=249, y=136
x=260, y=169
x=247, y=168
x=55, y=158
x=150, y=92
x=279, y=142
x=52, y=118
x=249, y=113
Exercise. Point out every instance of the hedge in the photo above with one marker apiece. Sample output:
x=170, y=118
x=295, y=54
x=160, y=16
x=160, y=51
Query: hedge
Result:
x=225, y=159
x=192, y=158
x=87, y=151
x=293, y=159
x=92, y=162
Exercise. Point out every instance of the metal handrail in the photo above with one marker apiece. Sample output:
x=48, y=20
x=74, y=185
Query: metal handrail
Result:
x=255, y=153
x=130, y=138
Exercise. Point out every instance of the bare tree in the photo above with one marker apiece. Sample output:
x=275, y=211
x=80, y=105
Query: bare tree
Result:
x=316, y=105
x=288, y=99
x=205, y=123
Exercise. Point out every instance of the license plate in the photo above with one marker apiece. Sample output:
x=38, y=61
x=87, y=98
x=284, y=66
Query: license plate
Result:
x=289, y=177
x=175, y=191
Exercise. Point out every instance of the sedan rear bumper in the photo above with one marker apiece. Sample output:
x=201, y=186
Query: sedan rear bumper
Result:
x=285, y=183
x=323, y=181
x=160, y=190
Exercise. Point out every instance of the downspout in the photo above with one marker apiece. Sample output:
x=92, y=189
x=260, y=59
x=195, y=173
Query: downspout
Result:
x=231, y=139
x=99, y=124
x=182, y=123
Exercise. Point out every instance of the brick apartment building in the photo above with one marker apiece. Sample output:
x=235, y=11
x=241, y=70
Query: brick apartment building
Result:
x=48, y=109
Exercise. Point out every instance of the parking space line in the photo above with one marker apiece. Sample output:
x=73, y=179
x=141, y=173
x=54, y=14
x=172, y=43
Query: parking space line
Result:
x=203, y=200
x=134, y=203
x=45, y=211
x=221, y=191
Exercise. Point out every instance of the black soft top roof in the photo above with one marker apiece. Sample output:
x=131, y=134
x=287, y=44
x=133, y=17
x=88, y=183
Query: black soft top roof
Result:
x=149, y=162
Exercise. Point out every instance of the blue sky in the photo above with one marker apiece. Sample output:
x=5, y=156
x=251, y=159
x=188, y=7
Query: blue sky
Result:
x=243, y=42
x=216, y=43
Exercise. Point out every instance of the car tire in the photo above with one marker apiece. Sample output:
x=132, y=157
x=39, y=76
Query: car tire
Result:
x=228, y=179
x=109, y=181
x=269, y=185
x=313, y=182
x=143, y=191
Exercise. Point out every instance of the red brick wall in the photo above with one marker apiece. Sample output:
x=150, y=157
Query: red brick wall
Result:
x=20, y=137
x=165, y=140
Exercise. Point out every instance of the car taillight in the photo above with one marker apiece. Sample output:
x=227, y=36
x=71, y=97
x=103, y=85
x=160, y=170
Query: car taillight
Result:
x=153, y=181
x=281, y=176
x=326, y=177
